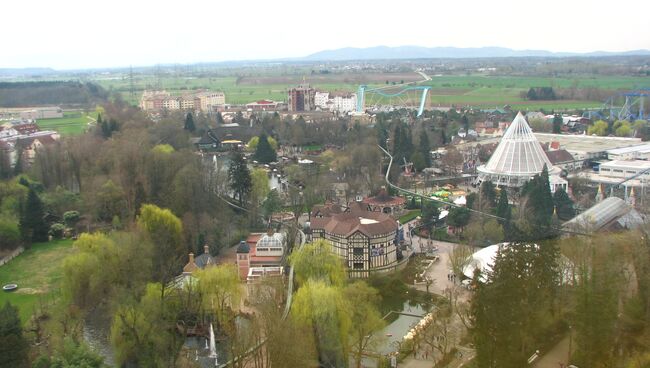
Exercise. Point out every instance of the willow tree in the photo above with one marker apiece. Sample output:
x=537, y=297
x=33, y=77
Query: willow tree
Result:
x=143, y=334
x=166, y=233
x=322, y=308
x=365, y=319
x=315, y=261
x=221, y=290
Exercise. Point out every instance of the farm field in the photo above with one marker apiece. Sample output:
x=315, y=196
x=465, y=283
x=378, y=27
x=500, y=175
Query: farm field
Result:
x=38, y=273
x=460, y=90
x=71, y=124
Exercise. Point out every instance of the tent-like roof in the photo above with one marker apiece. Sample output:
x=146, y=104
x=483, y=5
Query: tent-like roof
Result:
x=518, y=154
x=482, y=260
x=605, y=213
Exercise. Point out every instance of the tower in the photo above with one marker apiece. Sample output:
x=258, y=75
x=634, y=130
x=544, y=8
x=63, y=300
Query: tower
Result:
x=243, y=260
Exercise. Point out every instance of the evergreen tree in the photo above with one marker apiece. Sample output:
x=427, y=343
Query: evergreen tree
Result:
x=515, y=305
x=557, y=124
x=504, y=211
x=471, y=200
x=32, y=222
x=272, y=203
x=443, y=137
x=20, y=161
x=5, y=164
x=220, y=119
x=99, y=119
x=140, y=197
x=113, y=126
x=13, y=345
x=382, y=133
x=458, y=217
x=189, y=123
x=465, y=122
x=538, y=206
x=105, y=129
x=425, y=148
x=239, y=177
x=563, y=205
x=488, y=194
x=264, y=153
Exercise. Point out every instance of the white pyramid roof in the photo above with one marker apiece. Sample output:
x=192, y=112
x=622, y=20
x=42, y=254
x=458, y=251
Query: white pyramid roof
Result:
x=518, y=153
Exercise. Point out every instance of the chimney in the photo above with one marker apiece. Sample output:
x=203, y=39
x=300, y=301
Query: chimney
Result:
x=206, y=249
x=191, y=258
x=270, y=231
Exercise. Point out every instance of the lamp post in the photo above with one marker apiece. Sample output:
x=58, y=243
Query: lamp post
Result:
x=568, y=359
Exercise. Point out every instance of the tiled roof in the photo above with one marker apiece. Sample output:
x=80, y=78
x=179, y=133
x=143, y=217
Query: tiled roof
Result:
x=346, y=224
x=559, y=156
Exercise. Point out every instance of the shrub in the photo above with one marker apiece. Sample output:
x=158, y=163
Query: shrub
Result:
x=9, y=234
x=56, y=230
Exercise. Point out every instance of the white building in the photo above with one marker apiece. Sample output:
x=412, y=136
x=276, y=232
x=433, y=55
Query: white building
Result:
x=518, y=158
x=171, y=104
x=210, y=99
x=625, y=169
x=321, y=98
x=341, y=102
x=638, y=152
x=345, y=103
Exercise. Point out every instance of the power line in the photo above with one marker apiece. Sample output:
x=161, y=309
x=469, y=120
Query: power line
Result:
x=481, y=213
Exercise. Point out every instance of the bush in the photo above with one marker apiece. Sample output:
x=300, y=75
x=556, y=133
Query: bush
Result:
x=9, y=234
x=56, y=230
x=71, y=218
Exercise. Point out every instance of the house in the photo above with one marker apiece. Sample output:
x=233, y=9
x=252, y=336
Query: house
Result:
x=26, y=129
x=6, y=132
x=366, y=241
x=194, y=264
x=31, y=144
x=263, y=105
x=208, y=142
x=261, y=255
x=563, y=159
x=385, y=203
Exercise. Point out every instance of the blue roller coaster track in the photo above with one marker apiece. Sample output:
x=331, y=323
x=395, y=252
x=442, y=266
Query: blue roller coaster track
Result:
x=363, y=89
x=633, y=107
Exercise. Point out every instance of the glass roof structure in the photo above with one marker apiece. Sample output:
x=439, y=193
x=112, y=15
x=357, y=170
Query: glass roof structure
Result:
x=517, y=158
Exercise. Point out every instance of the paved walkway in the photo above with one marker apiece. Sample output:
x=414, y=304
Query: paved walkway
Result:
x=556, y=357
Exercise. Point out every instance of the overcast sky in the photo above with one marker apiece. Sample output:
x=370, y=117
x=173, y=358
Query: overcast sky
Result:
x=66, y=34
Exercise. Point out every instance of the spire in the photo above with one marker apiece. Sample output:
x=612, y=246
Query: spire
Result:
x=518, y=152
x=631, y=199
x=600, y=195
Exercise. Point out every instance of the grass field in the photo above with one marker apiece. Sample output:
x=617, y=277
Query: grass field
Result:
x=38, y=273
x=412, y=214
x=71, y=124
x=479, y=91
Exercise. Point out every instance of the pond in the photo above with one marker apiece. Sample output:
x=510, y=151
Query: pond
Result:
x=399, y=324
x=96, y=333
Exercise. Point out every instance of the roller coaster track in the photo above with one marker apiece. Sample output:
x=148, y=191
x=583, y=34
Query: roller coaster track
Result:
x=412, y=86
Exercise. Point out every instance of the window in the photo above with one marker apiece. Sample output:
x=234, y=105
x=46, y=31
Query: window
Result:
x=358, y=266
x=357, y=251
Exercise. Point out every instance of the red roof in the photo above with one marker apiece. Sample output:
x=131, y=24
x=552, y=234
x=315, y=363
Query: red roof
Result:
x=383, y=199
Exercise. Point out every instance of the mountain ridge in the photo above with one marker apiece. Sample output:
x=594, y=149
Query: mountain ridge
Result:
x=420, y=52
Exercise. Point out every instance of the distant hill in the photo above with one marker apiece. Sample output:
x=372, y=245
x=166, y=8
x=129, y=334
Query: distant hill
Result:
x=66, y=93
x=418, y=52
x=25, y=72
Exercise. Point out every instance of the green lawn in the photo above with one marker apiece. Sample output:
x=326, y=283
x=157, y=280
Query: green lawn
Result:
x=409, y=216
x=70, y=124
x=478, y=91
x=38, y=273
